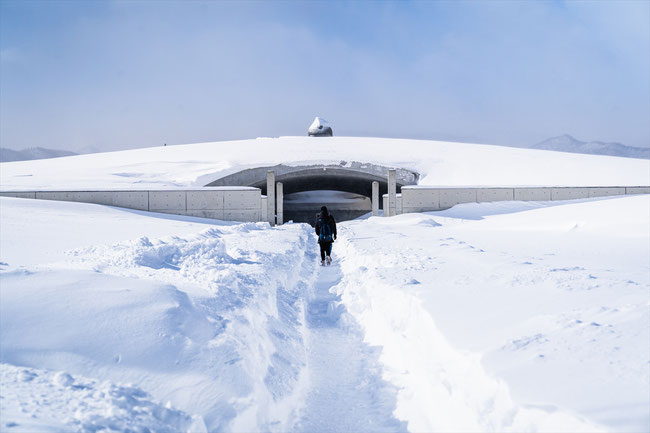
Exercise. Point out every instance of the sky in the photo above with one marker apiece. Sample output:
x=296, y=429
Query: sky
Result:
x=113, y=75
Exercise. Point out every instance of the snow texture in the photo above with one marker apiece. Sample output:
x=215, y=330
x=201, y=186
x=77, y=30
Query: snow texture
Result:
x=485, y=317
x=485, y=305
x=439, y=163
x=209, y=321
x=35, y=400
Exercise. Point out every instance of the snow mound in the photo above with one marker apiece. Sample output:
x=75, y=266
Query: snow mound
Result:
x=508, y=316
x=40, y=400
x=211, y=321
x=484, y=317
x=441, y=388
x=439, y=164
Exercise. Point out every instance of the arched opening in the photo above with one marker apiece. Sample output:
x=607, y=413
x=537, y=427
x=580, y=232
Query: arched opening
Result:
x=346, y=188
x=304, y=206
x=346, y=194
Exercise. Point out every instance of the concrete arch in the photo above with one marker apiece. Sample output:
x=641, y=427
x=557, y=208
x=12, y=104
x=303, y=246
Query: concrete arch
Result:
x=354, y=177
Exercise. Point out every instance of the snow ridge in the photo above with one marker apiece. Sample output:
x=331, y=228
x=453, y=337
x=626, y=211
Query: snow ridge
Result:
x=440, y=388
x=275, y=370
x=439, y=164
x=220, y=315
x=49, y=401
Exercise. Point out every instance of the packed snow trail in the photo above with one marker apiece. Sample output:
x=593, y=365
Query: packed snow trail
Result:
x=347, y=393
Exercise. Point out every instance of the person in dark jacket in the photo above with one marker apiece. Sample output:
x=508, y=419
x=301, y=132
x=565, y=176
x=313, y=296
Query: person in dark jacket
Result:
x=326, y=231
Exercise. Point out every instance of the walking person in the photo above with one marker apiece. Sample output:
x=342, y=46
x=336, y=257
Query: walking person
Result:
x=326, y=231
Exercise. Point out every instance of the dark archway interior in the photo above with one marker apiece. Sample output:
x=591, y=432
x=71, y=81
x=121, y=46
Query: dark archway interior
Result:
x=304, y=206
x=330, y=181
x=361, y=186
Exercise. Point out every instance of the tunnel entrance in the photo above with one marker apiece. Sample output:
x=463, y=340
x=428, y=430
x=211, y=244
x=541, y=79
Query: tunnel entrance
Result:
x=304, y=206
x=344, y=187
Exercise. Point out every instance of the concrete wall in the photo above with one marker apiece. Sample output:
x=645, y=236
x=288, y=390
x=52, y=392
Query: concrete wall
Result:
x=19, y=194
x=452, y=196
x=242, y=205
x=494, y=194
x=398, y=203
x=420, y=200
x=247, y=203
x=229, y=204
x=128, y=199
x=424, y=199
x=637, y=190
x=532, y=194
x=606, y=191
x=264, y=208
x=569, y=193
x=174, y=202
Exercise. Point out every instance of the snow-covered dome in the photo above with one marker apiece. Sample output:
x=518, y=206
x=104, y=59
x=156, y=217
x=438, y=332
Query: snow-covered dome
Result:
x=319, y=127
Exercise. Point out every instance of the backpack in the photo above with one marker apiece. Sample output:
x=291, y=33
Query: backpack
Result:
x=325, y=231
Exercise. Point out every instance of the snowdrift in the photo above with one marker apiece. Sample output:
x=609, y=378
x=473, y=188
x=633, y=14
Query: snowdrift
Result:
x=439, y=163
x=188, y=325
x=206, y=319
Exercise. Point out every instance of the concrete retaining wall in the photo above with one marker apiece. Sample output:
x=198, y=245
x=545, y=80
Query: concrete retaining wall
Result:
x=569, y=193
x=229, y=203
x=247, y=203
x=398, y=203
x=424, y=199
x=19, y=194
x=606, y=191
x=128, y=199
x=532, y=194
x=495, y=194
x=637, y=190
x=453, y=196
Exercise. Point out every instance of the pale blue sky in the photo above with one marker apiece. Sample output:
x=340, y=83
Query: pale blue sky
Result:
x=124, y=74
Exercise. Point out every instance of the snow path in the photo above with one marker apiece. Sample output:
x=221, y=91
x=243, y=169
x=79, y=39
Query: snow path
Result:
x=347, y=393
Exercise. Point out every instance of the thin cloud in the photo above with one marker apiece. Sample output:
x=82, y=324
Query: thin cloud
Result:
x=125, y=74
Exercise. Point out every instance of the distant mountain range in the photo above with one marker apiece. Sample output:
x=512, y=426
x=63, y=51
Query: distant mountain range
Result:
x=566, y=143
x=8, y=155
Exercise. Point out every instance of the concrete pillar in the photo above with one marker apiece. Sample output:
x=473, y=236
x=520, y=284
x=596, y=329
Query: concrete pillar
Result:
x=392, y=193
x=280, y=206
x=270, y=196
x=265, y=209
x=375, y=198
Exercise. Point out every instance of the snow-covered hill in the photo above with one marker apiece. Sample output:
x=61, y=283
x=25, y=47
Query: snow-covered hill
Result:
x=439, y=163
x=566, y=143
x=485, y=317
x=9, y=155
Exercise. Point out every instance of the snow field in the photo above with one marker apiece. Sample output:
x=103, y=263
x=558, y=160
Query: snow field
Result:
x=508, y=316
x=211, y=322
x=438, y=162
x=485, y=317
x=441, y=388
x=41, y=401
